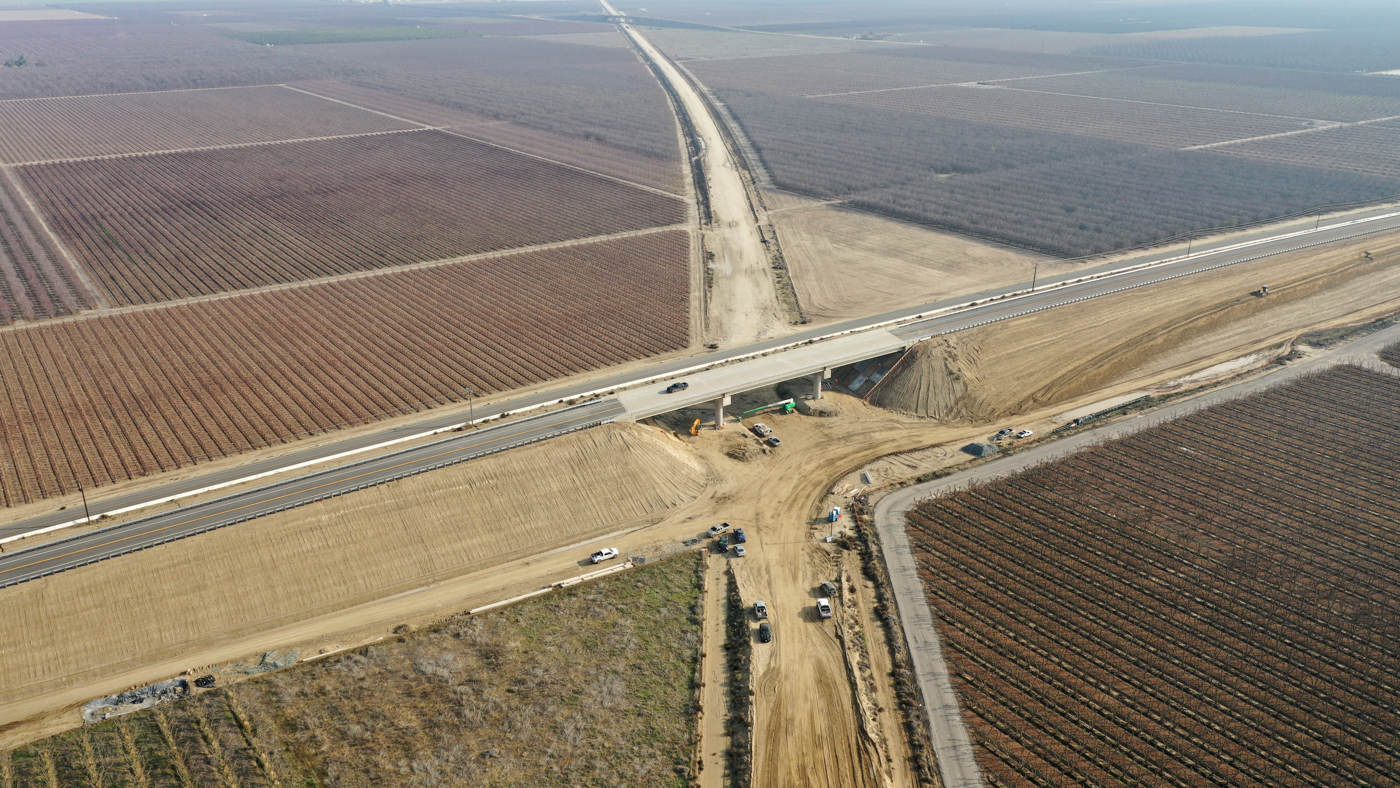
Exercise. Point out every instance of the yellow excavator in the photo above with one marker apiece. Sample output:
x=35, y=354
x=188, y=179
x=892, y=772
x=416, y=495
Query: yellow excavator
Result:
x=695, y=428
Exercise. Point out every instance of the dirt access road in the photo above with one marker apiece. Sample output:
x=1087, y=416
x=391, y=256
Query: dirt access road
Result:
x=743, y=304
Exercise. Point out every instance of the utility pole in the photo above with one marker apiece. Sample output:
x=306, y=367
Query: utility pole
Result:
x=471, y=405
x=83, y=493
x=1035, y=274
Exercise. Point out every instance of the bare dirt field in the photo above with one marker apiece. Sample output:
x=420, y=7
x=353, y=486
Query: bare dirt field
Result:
x=611, y=669
x=374, y=544
x=848, y=264
x=1055, y=356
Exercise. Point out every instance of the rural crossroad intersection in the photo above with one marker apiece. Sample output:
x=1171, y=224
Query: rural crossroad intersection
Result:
x=711, y=376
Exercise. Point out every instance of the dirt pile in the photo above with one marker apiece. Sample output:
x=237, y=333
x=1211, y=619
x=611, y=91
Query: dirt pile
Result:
x=931, y=380
x=292, y=566
x=1054, y=356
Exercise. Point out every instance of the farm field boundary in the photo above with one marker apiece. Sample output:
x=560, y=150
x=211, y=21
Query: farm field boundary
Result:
x=1161, y=572
x=891, y=512
x=684, y=366
x=359, y=275
x=306, y=210
x=156, y=390
x=104, y=126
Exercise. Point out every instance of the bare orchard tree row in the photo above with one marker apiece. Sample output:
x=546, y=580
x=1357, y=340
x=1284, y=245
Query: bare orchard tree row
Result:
x=1185, y=606
x=834, y=150
x=1100, y=204
x=1058, y=193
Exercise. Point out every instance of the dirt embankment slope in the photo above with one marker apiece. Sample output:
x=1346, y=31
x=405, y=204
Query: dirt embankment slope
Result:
x=1054, y=356
x=194, y=594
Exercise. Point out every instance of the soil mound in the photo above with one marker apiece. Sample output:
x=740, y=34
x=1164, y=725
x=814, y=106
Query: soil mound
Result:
x=931, y=380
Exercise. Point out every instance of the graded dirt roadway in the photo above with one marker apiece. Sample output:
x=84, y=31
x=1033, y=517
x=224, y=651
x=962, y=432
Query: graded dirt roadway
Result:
x=714, y=676
x=743, y=301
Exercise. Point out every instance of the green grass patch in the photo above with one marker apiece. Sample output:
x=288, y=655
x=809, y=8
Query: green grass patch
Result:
x=354, y=35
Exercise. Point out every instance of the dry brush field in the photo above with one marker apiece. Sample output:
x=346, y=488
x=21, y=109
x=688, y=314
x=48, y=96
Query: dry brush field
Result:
x=1212, y=601
x=594, y=685
x=59, y=128
x=151, y=228
x=119, y=396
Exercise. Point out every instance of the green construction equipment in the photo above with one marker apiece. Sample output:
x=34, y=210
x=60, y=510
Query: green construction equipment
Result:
x=787, y=405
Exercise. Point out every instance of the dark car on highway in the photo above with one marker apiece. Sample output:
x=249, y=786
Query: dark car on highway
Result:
x=677, y=386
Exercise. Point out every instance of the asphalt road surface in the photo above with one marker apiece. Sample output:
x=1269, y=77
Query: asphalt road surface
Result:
x=795, y=355
x=190, y=520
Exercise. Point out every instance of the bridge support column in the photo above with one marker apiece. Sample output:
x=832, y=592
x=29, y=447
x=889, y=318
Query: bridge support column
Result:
x=719, y=411
x=817, y=378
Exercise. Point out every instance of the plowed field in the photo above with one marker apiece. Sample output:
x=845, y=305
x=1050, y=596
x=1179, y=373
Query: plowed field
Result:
x=156, y=228
x=123, y=395
x=1210, y=602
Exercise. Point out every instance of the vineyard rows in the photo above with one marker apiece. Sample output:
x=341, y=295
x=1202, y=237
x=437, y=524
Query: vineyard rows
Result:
x=586, y=153
x=210, y=739
x=88, y=58
x=1369, y=150
x=1209, y=602
x=1193, y=86
x=835, y=150
x=1350, y=49
x=594, y=93
x=1391, y=355
x=41, y=129
x=34, y=282
x=115, y=397
x=1139, y=123
x=1091, y=205
x=169, y=226
x=806, y=75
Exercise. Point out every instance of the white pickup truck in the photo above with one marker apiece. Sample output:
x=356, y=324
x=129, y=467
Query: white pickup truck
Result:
x=824, y=607
x=605, y=554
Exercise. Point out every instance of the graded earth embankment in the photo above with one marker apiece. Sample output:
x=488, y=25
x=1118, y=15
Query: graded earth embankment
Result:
x=1057, y=355
x=170, y=601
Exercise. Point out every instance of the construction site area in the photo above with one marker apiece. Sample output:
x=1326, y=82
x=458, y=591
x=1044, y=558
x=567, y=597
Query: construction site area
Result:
x=685, y=530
